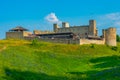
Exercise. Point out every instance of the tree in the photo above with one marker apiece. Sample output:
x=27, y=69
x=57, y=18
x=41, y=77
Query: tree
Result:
x=118, y=38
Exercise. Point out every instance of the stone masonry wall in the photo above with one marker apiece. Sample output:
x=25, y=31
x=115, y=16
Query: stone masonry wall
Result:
x=64, y=41
x=70, y=41
x=17, y=35
x=82, y=31
x=14, y=35
x=89, y=41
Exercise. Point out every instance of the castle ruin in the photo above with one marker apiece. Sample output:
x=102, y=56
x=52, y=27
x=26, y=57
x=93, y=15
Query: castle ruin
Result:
x=87, y=34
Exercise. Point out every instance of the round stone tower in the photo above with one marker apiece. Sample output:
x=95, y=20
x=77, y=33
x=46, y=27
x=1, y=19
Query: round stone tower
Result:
x=110, y=36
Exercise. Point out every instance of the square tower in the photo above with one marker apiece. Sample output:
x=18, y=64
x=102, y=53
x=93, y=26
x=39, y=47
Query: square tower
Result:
x=92, y=28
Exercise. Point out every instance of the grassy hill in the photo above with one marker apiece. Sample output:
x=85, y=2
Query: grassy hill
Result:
x=24, y=60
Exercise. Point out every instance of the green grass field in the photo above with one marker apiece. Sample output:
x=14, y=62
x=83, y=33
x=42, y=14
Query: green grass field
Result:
x=24, y=60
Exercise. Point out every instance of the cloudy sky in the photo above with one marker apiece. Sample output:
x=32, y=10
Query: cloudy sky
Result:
x=41, y=14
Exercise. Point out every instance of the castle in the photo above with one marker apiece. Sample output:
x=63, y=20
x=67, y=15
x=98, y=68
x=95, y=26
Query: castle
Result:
x=81, y=31
x=87, y=34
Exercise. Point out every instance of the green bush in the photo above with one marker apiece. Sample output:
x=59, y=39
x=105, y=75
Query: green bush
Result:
x=92, y=45
x=114, y=48
x=118, y=38
x=35, y=42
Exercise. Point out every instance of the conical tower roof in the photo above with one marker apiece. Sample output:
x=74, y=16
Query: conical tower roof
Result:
x=18, y=28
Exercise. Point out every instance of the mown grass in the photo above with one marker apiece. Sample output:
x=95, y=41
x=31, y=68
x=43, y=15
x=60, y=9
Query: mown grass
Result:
x=25, y=60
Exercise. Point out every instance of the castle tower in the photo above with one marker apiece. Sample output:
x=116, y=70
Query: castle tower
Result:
x=92, y=28
x=65, y=24
x=17, y=33
x=55, y=27
x=110, y=36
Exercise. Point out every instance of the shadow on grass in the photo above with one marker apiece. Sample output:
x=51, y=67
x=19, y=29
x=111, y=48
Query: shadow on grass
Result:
x=106, y=62
x=26, y=75
x=105, y=68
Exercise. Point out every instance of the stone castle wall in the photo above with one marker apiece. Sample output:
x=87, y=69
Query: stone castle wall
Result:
x=63, y=41
x=14, y=35
x=17, y=35
x=89, y=41
x=82, y=31
x=25, y=33
x=70, y=41
x=41, y=32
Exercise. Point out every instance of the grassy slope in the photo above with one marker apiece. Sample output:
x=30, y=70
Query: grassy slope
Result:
x=19, y=60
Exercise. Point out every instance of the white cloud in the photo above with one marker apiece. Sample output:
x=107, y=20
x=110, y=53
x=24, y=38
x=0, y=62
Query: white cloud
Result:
x=109, y=20
x=52, y=18
x=112, y=19
x=113, y=16
x=117, y=23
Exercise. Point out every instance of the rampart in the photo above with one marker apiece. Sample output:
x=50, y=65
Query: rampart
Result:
x=64, y=41
x=70, y=41
x=92, y=41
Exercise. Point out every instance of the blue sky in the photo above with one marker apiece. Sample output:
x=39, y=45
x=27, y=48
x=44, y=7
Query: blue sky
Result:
x=41, y=14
